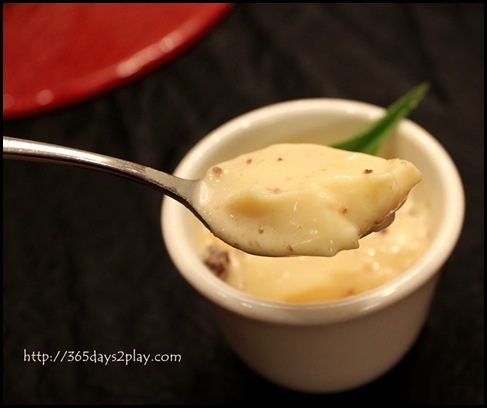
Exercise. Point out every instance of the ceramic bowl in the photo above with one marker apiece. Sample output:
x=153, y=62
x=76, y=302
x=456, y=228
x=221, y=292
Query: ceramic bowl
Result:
x=337, y=345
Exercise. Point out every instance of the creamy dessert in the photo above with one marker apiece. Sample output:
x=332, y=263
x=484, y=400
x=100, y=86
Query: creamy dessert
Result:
x=303, y=199
x=381, y=257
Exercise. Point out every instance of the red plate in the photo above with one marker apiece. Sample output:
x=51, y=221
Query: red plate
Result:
x=55, y=54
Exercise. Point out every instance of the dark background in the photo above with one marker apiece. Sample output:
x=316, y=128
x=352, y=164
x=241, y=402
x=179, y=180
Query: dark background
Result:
x=85, y=267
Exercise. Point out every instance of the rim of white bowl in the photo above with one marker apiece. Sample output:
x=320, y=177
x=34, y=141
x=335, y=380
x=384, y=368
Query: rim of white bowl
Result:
x=214, y=289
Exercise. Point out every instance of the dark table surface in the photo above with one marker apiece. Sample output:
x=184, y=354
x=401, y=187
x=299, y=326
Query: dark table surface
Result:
x=85, y=267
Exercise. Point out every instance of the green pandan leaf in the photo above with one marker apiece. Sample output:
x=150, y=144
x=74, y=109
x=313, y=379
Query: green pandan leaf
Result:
x=371, y=138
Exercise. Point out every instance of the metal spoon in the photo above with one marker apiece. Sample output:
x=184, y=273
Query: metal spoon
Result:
x=187, y=192
x=182, y=190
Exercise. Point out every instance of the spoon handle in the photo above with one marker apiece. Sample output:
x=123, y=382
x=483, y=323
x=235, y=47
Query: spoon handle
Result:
x=175, y=187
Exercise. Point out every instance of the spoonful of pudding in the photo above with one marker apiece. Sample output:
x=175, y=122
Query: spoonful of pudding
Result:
x=303, y=199
x=283, y=200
